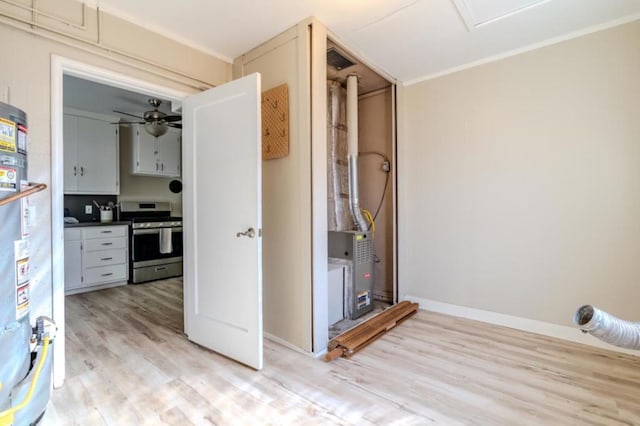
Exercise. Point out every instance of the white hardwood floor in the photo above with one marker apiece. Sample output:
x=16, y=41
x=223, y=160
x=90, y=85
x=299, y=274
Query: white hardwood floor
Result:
x=129, y=364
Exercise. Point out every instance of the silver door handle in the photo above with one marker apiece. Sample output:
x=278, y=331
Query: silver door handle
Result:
x=75, y=170
x=81, y=170
x=251, y=233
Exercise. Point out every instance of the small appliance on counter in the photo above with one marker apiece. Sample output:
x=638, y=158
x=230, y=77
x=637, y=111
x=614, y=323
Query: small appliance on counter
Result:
x=155, y=245
x=25, y=351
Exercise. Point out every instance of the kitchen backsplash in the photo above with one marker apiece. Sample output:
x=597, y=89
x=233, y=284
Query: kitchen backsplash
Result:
x=75, y=205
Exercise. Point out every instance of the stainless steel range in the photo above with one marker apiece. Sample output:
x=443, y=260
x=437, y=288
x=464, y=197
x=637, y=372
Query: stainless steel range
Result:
x=155, y=240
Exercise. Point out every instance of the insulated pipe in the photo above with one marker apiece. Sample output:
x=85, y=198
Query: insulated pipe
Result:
x=352, y=145
x=352, y=115
x=608, y=328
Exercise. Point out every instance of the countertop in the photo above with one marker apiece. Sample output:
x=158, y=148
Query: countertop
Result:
x=83, y=224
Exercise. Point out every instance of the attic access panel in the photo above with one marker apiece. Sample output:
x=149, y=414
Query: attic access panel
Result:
x=476, y=13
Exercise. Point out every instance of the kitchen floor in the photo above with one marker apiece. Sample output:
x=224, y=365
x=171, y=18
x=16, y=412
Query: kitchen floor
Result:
x=128, y=363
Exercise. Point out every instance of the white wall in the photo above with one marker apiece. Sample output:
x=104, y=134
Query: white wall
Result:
x=375, y=125
x=519, y=187
x=286, y=195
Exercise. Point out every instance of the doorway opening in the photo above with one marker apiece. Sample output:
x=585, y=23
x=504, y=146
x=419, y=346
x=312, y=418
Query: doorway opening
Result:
x=61, y=69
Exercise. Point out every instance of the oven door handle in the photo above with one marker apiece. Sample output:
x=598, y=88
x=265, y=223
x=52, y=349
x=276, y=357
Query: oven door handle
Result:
x=154, y=231
x=146, y=231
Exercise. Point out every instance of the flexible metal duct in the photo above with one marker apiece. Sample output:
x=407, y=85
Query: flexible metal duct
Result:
x=352, y=143
x=338, y=203
x=608, y=328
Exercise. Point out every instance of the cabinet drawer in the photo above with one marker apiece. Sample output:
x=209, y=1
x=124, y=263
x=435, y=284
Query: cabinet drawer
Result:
x=105, y=232
x=104, y=258
x=104, y=274
x=105, y=244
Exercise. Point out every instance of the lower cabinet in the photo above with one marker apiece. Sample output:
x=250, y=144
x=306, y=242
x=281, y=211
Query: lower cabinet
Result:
x=95, y=257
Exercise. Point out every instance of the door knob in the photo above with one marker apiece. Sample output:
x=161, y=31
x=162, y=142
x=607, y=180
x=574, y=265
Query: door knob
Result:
x=248, y=233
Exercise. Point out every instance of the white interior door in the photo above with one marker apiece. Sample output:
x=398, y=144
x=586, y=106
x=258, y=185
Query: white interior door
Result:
x=222, y=219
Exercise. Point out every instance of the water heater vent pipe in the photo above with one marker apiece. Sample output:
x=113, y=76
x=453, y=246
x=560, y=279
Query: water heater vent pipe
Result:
x=352, y=145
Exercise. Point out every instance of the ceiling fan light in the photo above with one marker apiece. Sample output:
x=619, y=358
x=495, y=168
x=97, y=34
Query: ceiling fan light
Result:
x=155, y=128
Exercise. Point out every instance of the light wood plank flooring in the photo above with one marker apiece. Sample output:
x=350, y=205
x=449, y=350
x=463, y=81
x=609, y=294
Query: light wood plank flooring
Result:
x=129, y=364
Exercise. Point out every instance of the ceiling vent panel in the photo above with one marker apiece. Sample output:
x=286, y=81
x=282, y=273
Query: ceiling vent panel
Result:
x=338, y=61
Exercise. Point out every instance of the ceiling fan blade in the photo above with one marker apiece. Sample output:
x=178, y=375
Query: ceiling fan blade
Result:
x=128, y=122
x=172, y=118
x=126, y=113
x=176, y=125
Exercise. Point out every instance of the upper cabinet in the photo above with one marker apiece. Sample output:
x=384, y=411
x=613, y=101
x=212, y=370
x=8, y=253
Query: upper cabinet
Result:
x=154, y=156
x=91, y=159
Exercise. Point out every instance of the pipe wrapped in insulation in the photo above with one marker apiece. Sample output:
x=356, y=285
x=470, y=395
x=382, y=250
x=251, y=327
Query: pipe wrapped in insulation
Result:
x=608, y=328
x=338, y=203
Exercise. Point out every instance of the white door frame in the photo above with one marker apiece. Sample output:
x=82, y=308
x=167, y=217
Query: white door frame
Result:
x=63, y=66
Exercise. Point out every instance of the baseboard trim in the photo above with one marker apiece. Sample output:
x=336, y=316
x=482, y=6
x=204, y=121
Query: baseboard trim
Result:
x=525, y=324
x=287, y=345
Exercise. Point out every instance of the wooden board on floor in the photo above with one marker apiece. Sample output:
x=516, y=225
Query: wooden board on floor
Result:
x=351, y=341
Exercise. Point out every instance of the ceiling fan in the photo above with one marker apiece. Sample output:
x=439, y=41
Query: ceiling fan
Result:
x=155, y=122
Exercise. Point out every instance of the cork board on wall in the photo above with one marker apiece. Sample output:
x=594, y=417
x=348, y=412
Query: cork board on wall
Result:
x=275, y=122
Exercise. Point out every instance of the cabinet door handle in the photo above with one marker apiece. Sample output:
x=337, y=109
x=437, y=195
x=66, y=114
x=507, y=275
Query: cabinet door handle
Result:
x=107, y=244
x=156, y=167
x=160, y=268
x=108, y=274
x=162, y=167
x=81, y=170
x=106, y=232
x=107, y=258
x=75, y=170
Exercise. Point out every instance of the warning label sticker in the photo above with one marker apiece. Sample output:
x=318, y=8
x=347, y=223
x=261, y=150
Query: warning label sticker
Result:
x=8, y=179
x=22, y=272
x=22, y=300
x=22, y=139
x=25, y=209
x=7, y=135
x=363, y=299
x=21, y=253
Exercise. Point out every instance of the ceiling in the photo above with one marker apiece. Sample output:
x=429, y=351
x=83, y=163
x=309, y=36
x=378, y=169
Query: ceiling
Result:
x=408, y=39
x=102, y=99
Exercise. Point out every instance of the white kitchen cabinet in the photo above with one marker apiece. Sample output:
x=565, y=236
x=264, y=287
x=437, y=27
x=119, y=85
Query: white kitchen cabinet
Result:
x=169, y=153
x=91, y=158
x=96, y=257
x=155, y=156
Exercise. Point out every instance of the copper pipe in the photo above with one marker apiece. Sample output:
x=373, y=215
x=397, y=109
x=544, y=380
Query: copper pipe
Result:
x=31, y=189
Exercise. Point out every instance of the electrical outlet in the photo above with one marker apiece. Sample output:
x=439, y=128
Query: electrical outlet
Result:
x=88, y=209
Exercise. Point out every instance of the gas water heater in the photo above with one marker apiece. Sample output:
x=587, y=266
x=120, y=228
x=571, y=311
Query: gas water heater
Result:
x=25, y=349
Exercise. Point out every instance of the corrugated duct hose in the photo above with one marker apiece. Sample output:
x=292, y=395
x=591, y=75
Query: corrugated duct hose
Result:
x=608, y=328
